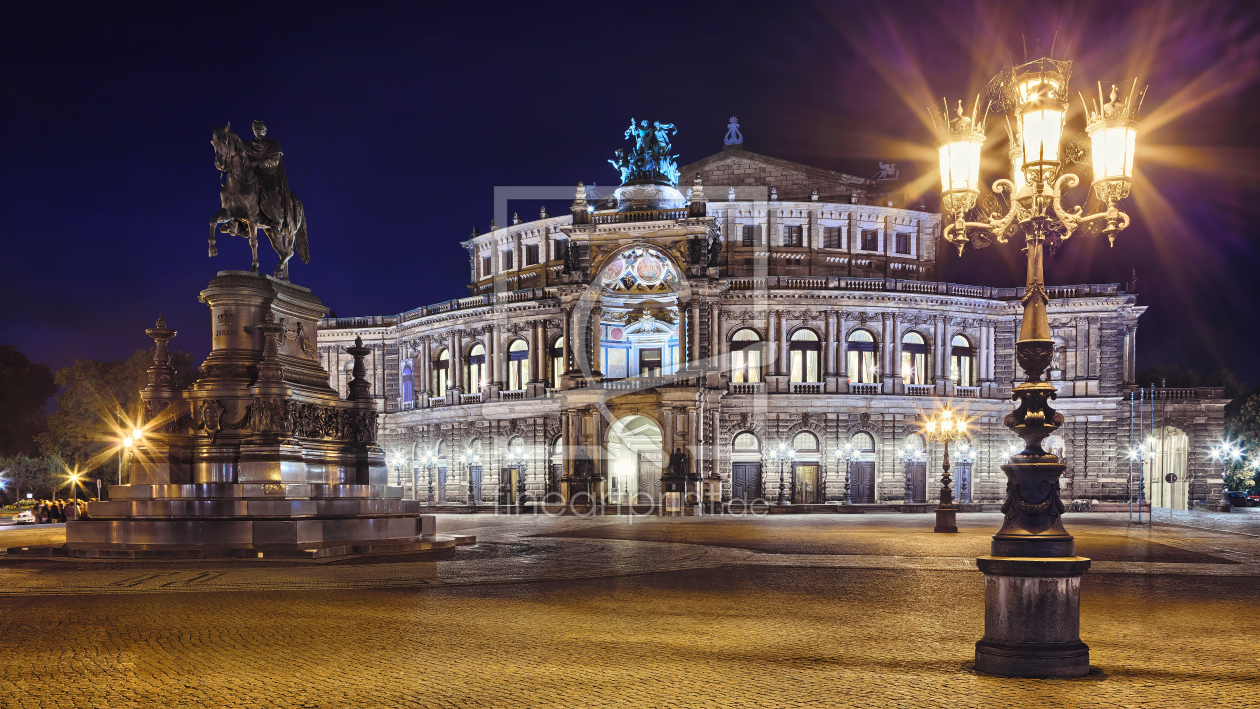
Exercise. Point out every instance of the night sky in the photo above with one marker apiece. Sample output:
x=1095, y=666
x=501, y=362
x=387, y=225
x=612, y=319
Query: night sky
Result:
x=397, y=121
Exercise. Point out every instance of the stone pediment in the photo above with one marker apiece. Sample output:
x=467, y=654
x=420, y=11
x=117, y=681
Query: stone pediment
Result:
x=736, y=167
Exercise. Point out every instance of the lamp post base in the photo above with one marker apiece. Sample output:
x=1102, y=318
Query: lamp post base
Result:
x=946, y=518
x=1032, y=617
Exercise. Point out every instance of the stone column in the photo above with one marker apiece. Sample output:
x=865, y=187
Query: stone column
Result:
x=694, y=355
x=783, y=342
x=595, y=342
x=886, y=350
x=567, y=360
x=895, y=345
x=772, y=344
x=842, y=347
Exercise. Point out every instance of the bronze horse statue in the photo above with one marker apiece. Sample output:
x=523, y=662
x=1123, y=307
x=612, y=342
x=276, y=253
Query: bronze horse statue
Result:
x=242, y=213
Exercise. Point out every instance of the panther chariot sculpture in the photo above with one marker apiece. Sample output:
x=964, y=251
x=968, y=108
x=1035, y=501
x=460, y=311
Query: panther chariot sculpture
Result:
x=255, y=195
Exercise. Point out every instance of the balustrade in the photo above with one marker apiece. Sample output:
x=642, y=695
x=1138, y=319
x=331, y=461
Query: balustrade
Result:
x=805, y=387
x=855, y=388
x=920, y=390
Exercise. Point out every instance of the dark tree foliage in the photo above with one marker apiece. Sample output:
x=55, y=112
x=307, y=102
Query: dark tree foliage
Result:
x=24, y=390
x=94, y=396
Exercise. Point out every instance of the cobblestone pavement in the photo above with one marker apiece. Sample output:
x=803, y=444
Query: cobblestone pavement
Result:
x=862, y=610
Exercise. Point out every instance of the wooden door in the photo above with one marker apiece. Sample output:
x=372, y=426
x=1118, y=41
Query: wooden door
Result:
x=805, y=483
x=650, y=464
x=745, y=481
x=862, y=486
x=557, y=473
x=918, y=481
x=475, y=474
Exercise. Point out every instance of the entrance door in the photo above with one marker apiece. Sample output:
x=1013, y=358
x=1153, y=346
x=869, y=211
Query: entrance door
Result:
x=805, y=487
x=963, y=484
x=475, y=474
x=862, y=486
x=441, y=486
x=918, y=482
x=557, y=472
x=745, y=481
x=509, y=478
x=650, y=464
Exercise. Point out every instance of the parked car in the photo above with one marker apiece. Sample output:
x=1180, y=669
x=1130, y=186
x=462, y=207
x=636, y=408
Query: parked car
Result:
x=24, y=517
x=1240, y=498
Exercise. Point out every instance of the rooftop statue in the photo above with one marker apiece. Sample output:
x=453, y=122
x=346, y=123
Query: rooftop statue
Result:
x=255, y=195
x=649, y=160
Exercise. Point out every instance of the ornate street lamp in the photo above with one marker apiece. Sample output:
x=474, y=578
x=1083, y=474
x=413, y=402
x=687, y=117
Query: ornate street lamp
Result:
x=1033, y=637
x=470, y=460
x=847, y=454
x=909, y=454
x=782, y=453
x=519, y=459
x=395, y=460
x=943, y=426
x=1228, y=453
x=966, y=453
x=429, y=461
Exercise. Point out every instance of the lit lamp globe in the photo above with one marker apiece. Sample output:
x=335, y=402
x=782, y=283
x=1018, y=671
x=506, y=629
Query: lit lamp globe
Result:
x=1039, y=125
x=959, y=149
x=1112, y=134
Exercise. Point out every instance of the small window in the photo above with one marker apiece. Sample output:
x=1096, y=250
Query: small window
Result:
x=831, y=237
x=561, y=249
x=751, y=234
x=870, y=240
x=863, y=441
x=746, y=442
x=805, y=441
x=793, y=236
x=531, y=254
x=903, y=243
x=507, y=260
x=486, y=265
x=650, y=362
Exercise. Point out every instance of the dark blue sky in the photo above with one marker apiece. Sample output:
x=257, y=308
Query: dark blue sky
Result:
x=397, y=121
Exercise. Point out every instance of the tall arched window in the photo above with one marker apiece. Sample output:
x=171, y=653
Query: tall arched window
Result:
x=408, y=388
x=557, y=362
x=518, y=365
x=746, y=350
x=441, y=373
x=962, y=362
x=803, y=351
x=914, y=359
x=863, y=360
x=475, y=371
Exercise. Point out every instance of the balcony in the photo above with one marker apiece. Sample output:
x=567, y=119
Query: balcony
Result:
x=846, y=283
x=470, y=398
x=512, y=394
x=437, y=401
x=967, y=392
x=920, y=390
x=748, y=387
x=805, y=387
x=855, y=388
x=408, y=405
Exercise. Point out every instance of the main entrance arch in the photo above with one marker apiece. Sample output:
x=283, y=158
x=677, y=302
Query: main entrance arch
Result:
x=636, y=455
x=1167, y=479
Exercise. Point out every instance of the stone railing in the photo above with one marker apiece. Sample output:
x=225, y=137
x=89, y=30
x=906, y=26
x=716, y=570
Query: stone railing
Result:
x=967, y=392
x=649, y=215
x=855, y=388
x=512, y=394
x=805, y=387
x=472, y=302
x=1179, y=393
x=437, y=401
x=408, y=405
x=748, y=387
x=920, y=390
x=470, y=398
x=907, y=286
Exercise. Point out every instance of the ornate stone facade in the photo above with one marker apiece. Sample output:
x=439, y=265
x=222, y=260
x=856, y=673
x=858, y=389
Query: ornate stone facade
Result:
x=783, y=301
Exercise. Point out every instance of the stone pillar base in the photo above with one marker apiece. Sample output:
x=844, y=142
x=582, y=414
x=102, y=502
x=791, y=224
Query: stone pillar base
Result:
x=1032, y=617
x=946, y=519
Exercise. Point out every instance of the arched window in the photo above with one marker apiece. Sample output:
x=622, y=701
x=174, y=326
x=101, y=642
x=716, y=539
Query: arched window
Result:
x=914, y=359
x=441, y=373
x=863, y=360
x=862, y=441
x=557, y=362
x=962, y=362
x=805, y=442
x=746, y=359
x=746, y=442
x=803, y=351
x=408, y=388
x=518, y=365
x=475, y=370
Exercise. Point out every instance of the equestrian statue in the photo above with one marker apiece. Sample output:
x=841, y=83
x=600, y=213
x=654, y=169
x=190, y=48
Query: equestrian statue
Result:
x=255, y=195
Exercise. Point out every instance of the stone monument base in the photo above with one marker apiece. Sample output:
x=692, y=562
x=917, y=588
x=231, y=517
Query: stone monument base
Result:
x=1032, y=617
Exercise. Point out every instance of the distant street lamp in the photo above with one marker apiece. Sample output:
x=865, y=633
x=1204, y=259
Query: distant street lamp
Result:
x=1228, y=453
x=847, y=453
x=429, y=460
x=910, y=454
x=944, y=427
x=782, y=453
x=519, y=459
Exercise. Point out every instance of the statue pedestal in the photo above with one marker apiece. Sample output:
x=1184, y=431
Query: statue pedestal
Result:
x=1032, y=617
x=260, y=457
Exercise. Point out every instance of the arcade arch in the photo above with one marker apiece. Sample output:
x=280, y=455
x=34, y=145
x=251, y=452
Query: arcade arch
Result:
x=636, y=455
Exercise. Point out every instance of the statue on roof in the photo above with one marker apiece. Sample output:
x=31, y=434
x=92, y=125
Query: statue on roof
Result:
x=649, y=160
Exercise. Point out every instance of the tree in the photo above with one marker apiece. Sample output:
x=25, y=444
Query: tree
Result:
x=94, y=397
x=24, y=388
x=22, y=473
x=1242, y=425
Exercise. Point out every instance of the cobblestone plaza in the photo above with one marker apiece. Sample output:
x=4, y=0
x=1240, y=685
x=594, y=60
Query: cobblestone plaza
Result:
x=836, y=610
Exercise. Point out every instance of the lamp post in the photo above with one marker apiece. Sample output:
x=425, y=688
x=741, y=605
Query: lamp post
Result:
x=1142, y=454
x=1228, y=453
x=847, y=453
x=782, y=453
x=519, y=459
x=470, y=459
x=944, y=427
x=1032, y=626
x=966, y=454
x=429, y=460
x=909, y=454
x=395, y=461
